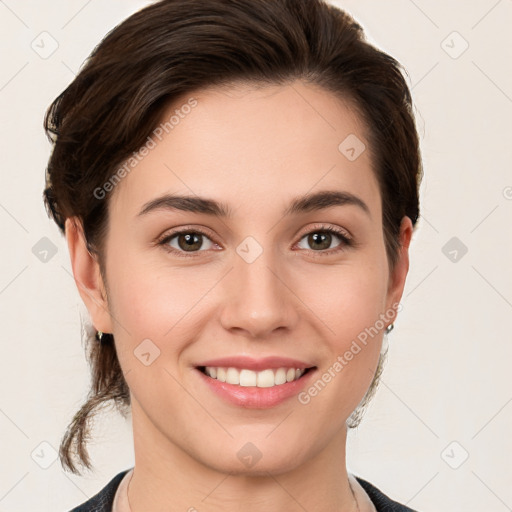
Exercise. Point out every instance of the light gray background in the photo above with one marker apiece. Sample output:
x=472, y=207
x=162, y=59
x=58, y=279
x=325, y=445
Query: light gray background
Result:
x=446, y=389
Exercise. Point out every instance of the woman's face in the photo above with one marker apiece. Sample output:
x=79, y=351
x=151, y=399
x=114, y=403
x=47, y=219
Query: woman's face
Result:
x=263, y=281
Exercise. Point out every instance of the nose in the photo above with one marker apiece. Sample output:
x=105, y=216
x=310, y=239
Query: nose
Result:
x=258, y=298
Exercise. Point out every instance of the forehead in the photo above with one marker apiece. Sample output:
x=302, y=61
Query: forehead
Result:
x=253, y=148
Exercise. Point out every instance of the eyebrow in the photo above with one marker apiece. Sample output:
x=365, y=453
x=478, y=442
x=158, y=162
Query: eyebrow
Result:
x=307, y=203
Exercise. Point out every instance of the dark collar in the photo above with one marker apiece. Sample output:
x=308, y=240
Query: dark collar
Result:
x=103, y=501
x=382, y=502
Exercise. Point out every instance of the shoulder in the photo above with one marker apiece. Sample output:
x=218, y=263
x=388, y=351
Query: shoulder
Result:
x=382, y=502
x=103, y=500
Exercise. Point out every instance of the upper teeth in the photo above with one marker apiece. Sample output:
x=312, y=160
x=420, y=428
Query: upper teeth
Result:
x=263, y=379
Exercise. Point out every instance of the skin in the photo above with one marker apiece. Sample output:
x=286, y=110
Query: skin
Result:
x=254, y=149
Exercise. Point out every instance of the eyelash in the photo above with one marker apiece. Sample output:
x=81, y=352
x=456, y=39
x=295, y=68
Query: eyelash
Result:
x=346, y=241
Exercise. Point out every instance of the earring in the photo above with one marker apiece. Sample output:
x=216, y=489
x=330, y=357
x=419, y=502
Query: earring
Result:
x=104, y=338
x=385, y=343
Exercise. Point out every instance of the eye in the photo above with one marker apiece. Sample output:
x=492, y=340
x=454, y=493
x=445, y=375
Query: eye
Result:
x=186, y=241
x=321, y=238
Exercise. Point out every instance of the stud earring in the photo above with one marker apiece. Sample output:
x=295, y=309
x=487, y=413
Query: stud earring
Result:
x=385, y=343
x=104, y=338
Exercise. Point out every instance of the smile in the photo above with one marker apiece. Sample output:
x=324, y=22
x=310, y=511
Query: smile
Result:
x=262, y=379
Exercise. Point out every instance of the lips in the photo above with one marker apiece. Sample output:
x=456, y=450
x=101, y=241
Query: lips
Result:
x=249, y=363
x=255, y=397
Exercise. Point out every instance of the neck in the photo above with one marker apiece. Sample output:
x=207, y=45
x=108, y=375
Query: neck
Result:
x=167, y=478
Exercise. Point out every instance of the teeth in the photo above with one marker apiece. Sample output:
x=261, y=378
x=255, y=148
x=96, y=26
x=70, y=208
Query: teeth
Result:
x=263, y=379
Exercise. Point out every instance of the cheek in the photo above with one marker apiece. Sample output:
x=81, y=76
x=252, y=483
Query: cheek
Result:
x=347, y=299
x=145, y=297
x=157, y=302
x=349, y=308
x=153, y=308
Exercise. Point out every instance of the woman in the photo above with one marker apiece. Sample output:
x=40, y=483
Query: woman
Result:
x=238, y=186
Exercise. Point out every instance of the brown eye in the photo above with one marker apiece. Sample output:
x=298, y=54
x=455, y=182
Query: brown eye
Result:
x=320, y=240
x=187, y=241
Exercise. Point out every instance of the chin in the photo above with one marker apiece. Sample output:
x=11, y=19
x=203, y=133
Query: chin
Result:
x=261, y=468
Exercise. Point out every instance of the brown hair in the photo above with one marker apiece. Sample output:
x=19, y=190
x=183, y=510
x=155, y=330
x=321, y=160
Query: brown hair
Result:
x=174, y=47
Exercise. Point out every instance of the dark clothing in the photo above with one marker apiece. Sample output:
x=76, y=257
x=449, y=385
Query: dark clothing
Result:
x=103, y=501
x=381, y=502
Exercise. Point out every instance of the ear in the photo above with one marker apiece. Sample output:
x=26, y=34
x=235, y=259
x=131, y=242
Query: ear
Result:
x=86, y=272
x=399, y=273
